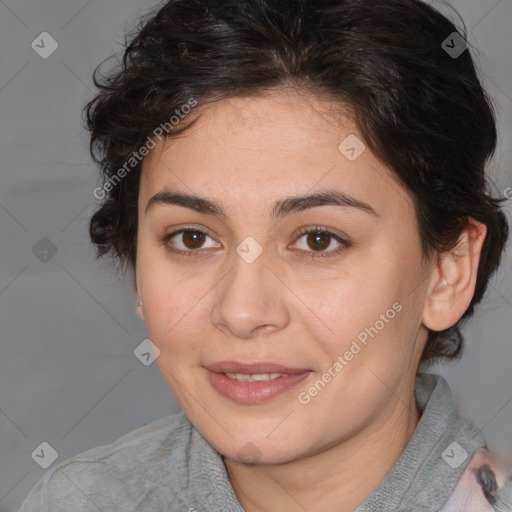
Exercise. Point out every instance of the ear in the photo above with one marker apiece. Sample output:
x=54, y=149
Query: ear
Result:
x=138, y=308
x=454, y=279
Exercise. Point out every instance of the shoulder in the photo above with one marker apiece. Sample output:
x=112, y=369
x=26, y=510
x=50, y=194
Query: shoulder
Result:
x=485, y=486
x=148, y=461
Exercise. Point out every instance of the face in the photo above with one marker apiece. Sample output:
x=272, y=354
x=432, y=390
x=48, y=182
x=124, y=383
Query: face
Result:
x=323, y=294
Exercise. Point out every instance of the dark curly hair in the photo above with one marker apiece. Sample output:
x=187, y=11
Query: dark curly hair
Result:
x=420, y=108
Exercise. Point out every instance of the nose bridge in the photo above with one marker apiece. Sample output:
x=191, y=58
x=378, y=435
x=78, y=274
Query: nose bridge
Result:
x=248, y=299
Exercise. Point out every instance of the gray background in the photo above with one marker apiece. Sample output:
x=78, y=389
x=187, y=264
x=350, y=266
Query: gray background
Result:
x=68, y=328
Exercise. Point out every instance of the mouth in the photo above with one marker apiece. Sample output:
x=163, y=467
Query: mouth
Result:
x=255, y=377
x=253, y=383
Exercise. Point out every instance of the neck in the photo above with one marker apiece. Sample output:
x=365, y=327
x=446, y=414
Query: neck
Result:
x=338, y=478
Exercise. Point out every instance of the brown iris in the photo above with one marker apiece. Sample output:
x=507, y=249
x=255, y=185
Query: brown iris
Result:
x=319, y=240
x=194, y=238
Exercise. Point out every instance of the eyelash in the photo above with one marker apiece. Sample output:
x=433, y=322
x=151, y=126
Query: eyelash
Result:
x=312, y=254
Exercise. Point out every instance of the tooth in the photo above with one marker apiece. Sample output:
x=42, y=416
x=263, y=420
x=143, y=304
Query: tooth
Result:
x=260, y=376
x=255, y=377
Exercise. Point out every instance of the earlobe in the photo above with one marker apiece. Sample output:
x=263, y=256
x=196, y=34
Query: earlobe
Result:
x=140, y=313
x=454, y=279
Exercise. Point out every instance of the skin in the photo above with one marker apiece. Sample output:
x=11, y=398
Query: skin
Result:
x=290, y=308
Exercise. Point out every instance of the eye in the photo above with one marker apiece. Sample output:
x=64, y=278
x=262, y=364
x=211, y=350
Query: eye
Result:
x=187, y=241
x=317, y=240
x=313, y=242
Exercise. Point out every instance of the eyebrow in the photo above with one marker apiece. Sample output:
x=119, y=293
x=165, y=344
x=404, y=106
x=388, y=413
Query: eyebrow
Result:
x=281, y=208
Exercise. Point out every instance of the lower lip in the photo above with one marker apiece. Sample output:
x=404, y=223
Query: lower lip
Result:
x=254, y=392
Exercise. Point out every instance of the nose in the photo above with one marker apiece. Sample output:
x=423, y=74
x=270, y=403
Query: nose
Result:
x=251, y=300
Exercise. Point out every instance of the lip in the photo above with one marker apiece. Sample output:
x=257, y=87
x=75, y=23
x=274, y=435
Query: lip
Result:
x=263, y=367
x=253, y=392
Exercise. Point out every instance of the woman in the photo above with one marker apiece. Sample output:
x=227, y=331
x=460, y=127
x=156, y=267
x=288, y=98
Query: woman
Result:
x=299, y=190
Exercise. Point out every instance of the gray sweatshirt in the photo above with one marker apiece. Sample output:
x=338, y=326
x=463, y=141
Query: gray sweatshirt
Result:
x=167, y=466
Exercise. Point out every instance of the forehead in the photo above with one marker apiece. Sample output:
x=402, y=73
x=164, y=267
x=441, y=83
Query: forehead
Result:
x=257, y=149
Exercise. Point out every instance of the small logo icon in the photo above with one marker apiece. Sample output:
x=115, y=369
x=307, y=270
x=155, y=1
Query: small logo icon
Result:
x=249, y=249
x=454, y=455
x=351, y=147
x=44, y=45
x=249, y=454
x=45, y=455
x=146, y=352
x=44, y=250
x=454, y=45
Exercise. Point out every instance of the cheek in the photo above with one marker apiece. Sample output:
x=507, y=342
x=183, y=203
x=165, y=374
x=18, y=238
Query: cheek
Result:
x=173, y=321
x=353, y=298
x=171, y=294
x=170, y=312
x=367, y=316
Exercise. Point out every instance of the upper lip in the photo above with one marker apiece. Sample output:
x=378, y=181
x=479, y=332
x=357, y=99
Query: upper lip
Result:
x=253, y=368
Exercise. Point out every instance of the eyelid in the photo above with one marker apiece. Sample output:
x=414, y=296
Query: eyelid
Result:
x=189, y=227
